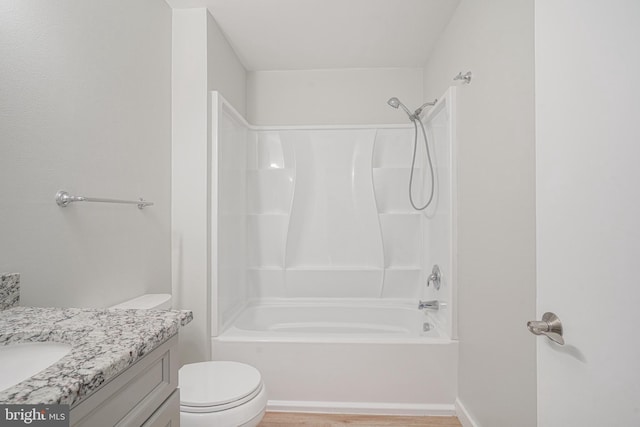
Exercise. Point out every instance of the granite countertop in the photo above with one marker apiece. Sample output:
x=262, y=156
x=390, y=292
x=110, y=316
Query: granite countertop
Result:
x=104, y=343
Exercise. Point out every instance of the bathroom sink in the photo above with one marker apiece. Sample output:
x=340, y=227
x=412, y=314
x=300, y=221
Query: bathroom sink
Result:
x=23, y=360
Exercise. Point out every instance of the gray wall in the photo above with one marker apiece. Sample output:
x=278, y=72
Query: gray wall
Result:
x=225, y=72
x=345, y=96
x=85, y=105
x=496, y=225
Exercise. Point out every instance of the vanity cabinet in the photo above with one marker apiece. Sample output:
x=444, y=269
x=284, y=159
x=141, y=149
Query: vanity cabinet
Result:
x=146, y=394
x=168, y=415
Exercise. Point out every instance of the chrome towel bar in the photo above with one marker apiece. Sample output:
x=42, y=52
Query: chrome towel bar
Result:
x=63, y=198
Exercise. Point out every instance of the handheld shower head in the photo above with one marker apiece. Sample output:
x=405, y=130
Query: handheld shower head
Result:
x=395, y=103
x=415, y=118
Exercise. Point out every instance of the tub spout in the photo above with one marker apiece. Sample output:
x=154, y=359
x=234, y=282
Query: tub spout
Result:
x=429, y=305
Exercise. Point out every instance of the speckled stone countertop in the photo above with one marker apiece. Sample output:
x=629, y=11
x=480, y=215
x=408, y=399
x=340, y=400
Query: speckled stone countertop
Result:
x=9, y=290
x=104, y=343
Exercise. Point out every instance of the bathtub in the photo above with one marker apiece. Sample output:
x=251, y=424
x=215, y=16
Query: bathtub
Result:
x=342, y=356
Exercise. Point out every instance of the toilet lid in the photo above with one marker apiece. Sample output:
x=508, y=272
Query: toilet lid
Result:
x=210, y=384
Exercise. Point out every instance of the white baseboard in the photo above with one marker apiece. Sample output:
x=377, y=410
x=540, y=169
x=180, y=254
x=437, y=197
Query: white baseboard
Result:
x=463, y=415
x=365, y=408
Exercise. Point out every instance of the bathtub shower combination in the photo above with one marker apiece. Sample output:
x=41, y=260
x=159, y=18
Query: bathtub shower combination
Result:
x=320, y=260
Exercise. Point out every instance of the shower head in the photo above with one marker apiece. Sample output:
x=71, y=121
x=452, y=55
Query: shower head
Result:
x=395, y=103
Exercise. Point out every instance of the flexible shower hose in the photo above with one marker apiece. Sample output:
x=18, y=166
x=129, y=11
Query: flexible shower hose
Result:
x=413, y=163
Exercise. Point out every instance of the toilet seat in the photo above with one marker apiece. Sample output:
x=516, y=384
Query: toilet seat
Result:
x=217, y=386
x=218, y=408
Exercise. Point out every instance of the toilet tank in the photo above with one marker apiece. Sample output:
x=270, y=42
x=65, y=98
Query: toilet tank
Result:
x=147, y=302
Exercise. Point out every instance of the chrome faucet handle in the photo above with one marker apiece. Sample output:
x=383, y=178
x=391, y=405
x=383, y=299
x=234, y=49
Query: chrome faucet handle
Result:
x=435, y=277
x=429, y=305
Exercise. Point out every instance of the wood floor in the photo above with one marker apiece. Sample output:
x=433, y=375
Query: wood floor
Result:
x=287, y=419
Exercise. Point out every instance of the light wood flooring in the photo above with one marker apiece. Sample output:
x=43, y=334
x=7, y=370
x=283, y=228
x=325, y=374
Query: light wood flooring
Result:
x=288, y=419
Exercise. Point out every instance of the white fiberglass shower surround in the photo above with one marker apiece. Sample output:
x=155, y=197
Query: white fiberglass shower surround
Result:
x=319, y=261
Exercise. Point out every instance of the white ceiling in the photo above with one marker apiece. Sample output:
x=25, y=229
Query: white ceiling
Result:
x=315, y=34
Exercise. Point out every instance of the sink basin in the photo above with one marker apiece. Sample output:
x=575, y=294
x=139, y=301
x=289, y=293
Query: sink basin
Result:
x=23, y=360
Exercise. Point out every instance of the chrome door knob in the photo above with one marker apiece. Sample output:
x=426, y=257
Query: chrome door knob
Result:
x=550, y=326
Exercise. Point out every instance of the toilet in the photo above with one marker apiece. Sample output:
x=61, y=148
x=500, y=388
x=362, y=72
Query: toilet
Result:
x=222, y=394
x=213, y=393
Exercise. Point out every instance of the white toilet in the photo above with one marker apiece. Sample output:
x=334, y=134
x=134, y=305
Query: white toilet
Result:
x=213, y=394
x=221, y=394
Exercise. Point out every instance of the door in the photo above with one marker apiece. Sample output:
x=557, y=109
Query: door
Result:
x=588, y=210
